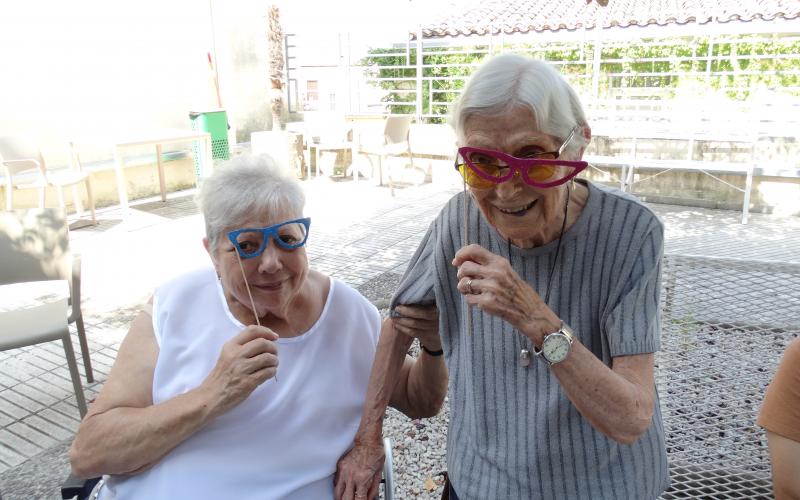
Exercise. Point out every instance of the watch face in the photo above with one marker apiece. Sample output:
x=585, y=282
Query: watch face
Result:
x=555, y=348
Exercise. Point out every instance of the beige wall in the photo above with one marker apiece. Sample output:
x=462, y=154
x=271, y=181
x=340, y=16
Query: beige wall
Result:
x=141, y=182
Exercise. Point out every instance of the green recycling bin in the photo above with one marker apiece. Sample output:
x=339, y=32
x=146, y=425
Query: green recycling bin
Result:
x=215, y=123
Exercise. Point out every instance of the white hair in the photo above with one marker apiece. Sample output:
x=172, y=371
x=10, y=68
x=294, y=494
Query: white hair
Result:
x=508, y=81
x=247, y=186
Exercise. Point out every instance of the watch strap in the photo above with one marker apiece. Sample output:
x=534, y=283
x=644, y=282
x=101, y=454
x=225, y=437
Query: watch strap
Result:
x=431, y=353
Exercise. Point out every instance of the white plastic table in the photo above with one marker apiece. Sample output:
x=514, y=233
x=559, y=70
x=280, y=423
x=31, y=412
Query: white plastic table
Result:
x=157, y=138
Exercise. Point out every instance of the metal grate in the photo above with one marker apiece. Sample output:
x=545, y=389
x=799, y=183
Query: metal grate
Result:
x=219, y=149
x=725, y=325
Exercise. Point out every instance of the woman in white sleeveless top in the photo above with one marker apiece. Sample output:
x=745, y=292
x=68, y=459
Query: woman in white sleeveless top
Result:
x=247, y=379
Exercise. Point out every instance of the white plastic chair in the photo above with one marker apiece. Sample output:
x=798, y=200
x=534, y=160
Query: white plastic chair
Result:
x=34, y=247
x=395, y=143
x=40, y=320
x=20, y=156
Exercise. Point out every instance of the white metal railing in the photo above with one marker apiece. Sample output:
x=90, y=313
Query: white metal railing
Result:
x=602, y=70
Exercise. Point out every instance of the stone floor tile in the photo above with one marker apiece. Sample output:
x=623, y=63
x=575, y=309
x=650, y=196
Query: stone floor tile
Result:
x=68, y=407
x=9, y=457
x=18, y=444
x=48, y=428
x=11, y=409
x=23, y=401
x=38, y=437
x=7, y=380
x=69, y=422
x=35, y=394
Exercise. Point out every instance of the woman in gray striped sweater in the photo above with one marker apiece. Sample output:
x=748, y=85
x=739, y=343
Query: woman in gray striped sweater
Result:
x=547, y=289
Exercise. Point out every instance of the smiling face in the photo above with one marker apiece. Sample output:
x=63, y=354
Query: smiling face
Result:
x=528, y=215
x=276, y=277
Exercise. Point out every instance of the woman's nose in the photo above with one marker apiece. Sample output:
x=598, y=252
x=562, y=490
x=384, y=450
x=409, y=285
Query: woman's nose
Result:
x=270, y=259
x=509, y=188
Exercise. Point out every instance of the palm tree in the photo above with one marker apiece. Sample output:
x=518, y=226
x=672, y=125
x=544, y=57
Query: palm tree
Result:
x=275, y=37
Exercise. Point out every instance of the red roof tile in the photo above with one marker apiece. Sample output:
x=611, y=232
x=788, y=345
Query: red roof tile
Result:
x=480, y=17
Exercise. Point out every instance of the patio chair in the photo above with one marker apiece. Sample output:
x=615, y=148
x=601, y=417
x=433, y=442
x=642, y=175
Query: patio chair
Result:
x=395, y=143
x=21, y=157
x=80, y=489
x=34, y=246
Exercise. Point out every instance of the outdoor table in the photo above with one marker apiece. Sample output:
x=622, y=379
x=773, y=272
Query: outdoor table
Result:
x=158, y=138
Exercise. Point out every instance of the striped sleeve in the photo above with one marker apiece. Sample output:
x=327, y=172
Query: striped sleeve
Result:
x=633, y=324
x=416, y=287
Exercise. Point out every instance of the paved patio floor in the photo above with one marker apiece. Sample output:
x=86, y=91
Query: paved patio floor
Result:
x=359, y=232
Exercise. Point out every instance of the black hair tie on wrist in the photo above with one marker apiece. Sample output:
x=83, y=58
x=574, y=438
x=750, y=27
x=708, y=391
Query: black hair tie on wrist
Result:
x=432, y=353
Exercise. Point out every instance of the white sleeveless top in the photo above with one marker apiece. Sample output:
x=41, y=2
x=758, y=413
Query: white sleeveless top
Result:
x=284, y=440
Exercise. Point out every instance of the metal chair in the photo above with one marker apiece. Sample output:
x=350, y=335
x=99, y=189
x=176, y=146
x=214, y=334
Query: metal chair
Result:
x=80, y=489
x=21, y=157
x=34, y=246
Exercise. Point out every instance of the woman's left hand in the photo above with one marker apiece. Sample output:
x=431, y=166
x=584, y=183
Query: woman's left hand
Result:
x=488, y=282
x=421, y=322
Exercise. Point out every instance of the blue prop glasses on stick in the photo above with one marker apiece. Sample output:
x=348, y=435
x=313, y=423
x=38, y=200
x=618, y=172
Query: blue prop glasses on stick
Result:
x=251, y=242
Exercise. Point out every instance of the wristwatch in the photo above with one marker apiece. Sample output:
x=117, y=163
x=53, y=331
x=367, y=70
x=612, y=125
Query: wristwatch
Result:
x=557, y=345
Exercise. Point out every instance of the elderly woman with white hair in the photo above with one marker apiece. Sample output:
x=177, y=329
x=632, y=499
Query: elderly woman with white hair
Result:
x=548, y=289
x=197, y=405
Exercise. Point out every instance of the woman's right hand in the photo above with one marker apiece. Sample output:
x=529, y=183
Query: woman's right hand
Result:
x=245, y=362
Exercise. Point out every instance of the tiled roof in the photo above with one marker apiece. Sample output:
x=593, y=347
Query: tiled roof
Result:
x=481, y=17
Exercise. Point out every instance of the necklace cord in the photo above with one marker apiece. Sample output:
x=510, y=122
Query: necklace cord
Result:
x=558, y=251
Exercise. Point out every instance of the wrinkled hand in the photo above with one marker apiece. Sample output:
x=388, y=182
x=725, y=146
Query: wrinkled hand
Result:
x=245, y=362
x=421, y=322
x=488, y=282
x=358, y=472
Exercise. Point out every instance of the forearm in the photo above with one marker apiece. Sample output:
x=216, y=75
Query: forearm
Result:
x=615, y=406
x=386, y=371
x=426, y=387
x=785, y=459
x=125, y=440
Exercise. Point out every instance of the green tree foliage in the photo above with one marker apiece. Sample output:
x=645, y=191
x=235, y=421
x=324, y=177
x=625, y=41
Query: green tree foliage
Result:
x=646, y=68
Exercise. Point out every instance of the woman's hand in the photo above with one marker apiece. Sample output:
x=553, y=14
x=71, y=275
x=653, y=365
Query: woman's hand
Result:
x=358, y=472
x=488, y=282
x=245, y=362
x=421, y=322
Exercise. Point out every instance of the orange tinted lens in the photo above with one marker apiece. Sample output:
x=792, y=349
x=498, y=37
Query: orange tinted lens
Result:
x=541, y=173
x=487, y=168
x=473, y=179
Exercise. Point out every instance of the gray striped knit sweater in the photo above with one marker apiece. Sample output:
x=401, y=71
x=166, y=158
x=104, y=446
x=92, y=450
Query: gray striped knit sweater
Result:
x=513, y=433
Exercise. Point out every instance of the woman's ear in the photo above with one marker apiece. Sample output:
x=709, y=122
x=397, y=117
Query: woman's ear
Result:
x=586, y=130
x=207, y=246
